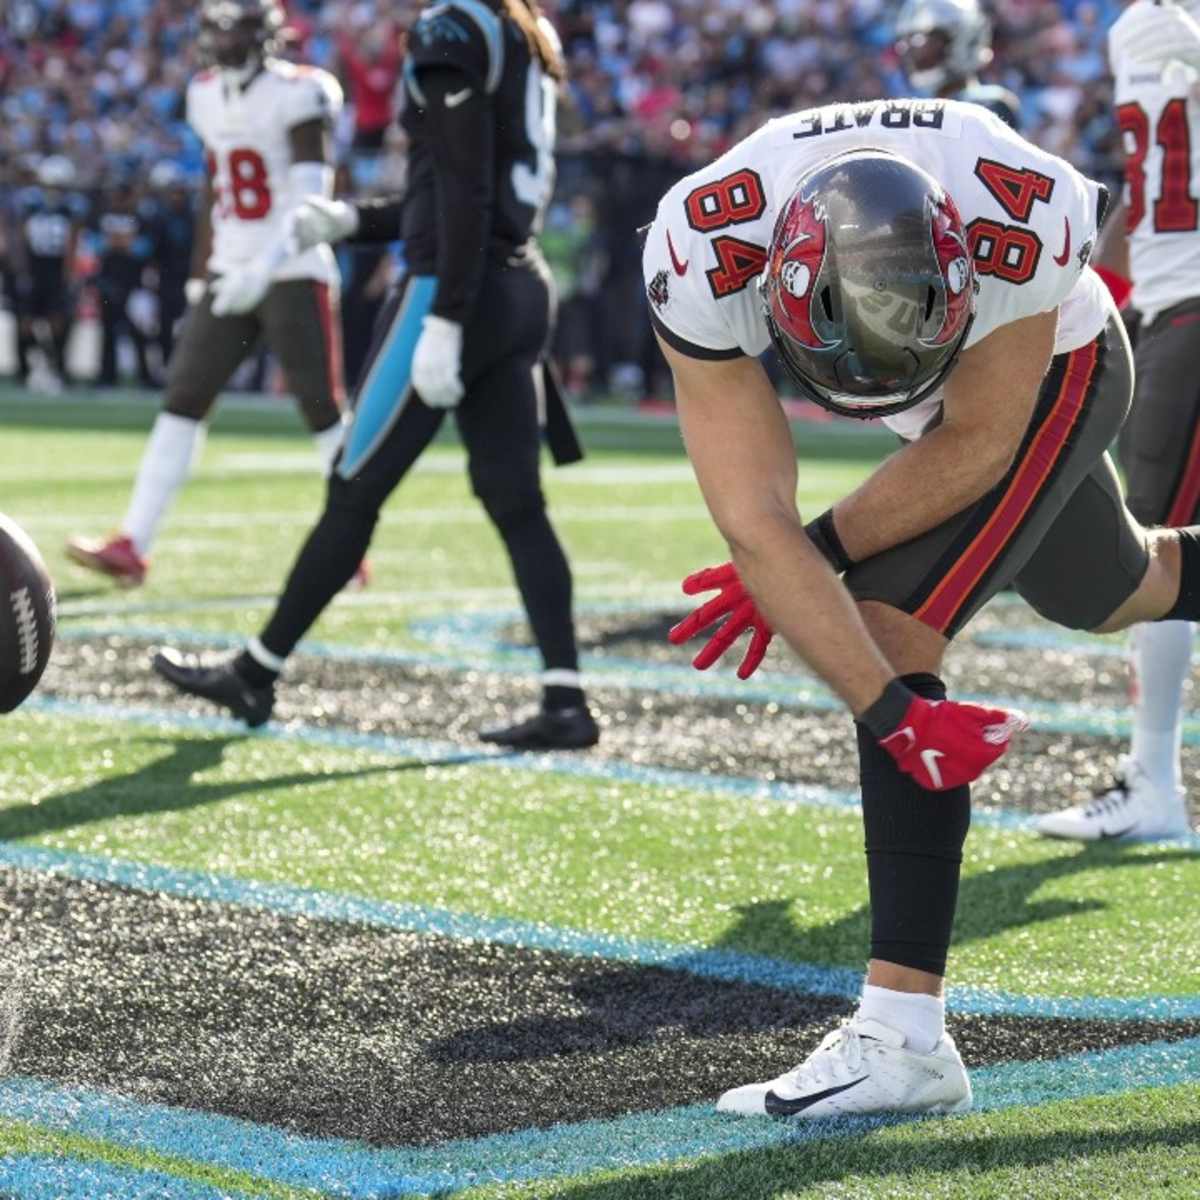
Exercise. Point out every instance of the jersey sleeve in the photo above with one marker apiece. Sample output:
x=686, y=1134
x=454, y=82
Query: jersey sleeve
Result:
x=463, y=35
x=193, y=106
x=682, y=308
x=313, y=96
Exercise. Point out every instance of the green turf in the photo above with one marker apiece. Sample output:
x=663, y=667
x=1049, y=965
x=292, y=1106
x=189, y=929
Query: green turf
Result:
x=649, y=862
x=1141, y=1144
x=19, y=1138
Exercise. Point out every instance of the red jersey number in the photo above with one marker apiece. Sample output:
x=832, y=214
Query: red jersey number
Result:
x=1176, y=209
x=248, y=196
x=734, y=200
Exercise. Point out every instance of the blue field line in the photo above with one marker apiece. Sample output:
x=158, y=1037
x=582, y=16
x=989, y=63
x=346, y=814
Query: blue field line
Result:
x=455, y=754
x=711, y=963
x=348, y=1169
x=565, y=764
x=792, y=691
x=55, y=1176
x=1049, y=639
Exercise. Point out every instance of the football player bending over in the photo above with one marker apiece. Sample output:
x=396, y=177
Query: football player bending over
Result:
x=465, y=330
x=265, y=125
x=920, y=262
x=1160, y=443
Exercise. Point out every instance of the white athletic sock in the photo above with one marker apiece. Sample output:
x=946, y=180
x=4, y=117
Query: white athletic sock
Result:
x=1162, y=655
x=921, y=1018
x=174, y=445
x=329, y=442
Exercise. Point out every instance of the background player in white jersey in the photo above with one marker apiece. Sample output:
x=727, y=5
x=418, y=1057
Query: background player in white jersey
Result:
x=265, y=125
x=943, y=45
x=1154, y=53
x=921, y=262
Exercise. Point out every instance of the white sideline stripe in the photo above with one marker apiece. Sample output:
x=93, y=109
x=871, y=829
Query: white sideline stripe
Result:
x=468, y=513
x=655, y=592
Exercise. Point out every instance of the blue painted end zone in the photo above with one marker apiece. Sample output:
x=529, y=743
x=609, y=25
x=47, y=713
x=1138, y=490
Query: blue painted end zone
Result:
x=346, y=1169
x=54, y=1177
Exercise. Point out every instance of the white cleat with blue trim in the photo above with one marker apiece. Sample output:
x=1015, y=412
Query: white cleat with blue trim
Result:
x=863, y=1067
x=1133, y=809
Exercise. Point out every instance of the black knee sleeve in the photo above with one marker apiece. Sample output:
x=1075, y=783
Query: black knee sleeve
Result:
x=1187, y=604
x=914, y=841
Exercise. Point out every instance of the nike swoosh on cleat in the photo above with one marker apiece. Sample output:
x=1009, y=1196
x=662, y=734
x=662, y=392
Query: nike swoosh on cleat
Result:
x=1062, y=258
x=777, y=1106
x=1117, y=833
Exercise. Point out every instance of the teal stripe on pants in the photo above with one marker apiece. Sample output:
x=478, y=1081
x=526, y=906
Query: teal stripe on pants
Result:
x=387, y=387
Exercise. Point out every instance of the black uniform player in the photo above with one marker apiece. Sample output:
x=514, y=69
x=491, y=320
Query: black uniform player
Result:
x=466, y=329
x=47, y=232
x=942, y=45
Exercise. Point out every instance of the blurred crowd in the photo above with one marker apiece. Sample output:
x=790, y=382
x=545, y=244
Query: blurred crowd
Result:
x=656, y=87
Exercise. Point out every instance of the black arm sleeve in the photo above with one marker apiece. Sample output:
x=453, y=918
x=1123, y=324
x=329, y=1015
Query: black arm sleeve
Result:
x=379, y=220
x=461, y=143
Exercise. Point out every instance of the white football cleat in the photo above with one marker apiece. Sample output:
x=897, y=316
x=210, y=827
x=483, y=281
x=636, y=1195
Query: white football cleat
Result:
x=1133, y=807
x=862, y=1067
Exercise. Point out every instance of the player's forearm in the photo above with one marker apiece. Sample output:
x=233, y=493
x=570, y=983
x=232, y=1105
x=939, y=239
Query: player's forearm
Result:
x=461, y=145
x=808, y=607
x=899, y=501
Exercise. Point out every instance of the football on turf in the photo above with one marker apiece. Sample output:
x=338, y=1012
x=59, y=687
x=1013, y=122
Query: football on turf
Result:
x=26, y=614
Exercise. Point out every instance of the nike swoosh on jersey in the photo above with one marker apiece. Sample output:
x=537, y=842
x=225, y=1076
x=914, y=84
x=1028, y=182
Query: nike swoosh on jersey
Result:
x=680, y=267
x=1063, y=258
x=777, y=1106
x=929, y=762
x=454, y=99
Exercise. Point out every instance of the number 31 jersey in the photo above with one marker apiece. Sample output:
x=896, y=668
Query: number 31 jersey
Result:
x=1159, y=115
x=245, y=132
x=1030, y=220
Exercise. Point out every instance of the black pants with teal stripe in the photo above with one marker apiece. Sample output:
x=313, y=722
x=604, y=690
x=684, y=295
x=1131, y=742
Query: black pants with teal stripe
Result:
x=498, y=422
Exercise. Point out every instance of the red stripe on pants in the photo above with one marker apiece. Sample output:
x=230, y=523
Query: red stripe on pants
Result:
x=940, y=609
x=332, y=334
x=1183, y=507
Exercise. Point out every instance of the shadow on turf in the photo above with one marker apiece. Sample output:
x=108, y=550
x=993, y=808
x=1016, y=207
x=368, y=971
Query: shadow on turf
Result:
x=768, y=1174
x=168, y=785
x=989, y=903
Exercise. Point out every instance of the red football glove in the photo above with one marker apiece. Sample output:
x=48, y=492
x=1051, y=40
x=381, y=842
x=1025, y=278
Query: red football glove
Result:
x=944, y=743
x=732, y=599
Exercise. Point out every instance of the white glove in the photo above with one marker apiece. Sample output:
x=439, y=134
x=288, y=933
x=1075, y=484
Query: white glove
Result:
x=194, y=289
x=316, y=220
x=241, y=290
x=437, y=363
x=1157, y=34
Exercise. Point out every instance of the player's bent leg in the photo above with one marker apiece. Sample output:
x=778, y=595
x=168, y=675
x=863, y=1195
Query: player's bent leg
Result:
x=894, y=1055
x=208, y=352
x=302, y=326
x=1069, y=583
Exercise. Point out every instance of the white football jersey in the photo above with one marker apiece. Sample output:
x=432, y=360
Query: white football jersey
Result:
x=245, y=135
x=1159, y=114
x=1031, y=222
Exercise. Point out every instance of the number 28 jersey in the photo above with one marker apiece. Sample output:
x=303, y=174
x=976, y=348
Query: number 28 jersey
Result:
x=245, y=132
x=1030, y=220
x=1159, y=115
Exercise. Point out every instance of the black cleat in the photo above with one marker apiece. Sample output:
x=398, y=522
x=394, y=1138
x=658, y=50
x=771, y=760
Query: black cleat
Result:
x=548, y=729
x=219, y=683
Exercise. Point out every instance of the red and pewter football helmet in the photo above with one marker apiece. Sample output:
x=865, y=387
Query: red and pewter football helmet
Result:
x=233, y=33
x=869, y=290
